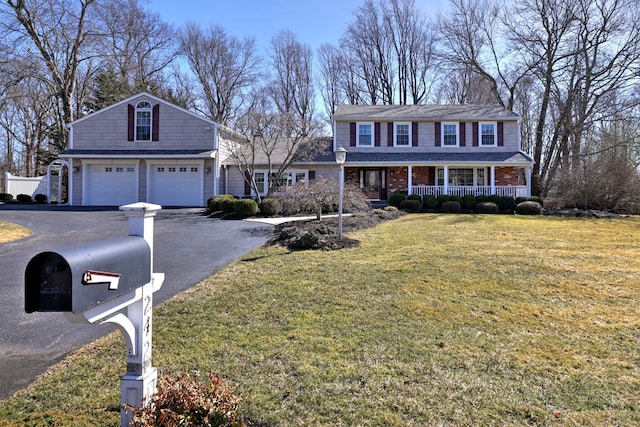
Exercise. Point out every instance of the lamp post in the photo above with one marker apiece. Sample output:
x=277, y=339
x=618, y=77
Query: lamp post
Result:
x=341, y=156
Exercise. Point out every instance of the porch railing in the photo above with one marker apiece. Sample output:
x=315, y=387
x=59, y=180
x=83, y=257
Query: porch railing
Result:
x=454, y=190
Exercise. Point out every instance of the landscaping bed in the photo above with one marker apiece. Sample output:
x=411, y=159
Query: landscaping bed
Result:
x=323, y=234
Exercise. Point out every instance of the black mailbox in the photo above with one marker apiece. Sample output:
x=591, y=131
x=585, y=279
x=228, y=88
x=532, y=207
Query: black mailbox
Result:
x=78, y=278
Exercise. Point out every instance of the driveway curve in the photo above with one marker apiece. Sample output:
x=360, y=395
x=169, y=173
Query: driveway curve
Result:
x=189, y=247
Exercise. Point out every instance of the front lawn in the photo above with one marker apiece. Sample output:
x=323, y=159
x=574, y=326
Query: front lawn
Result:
x=433, y=320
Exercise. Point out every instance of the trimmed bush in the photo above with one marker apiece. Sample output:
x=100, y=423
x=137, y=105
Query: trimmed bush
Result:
x=415, y=197
x=487, y=208
x=215, y=203
x=41, y=198
x=537, y=199
x=508, y=203
x=451, y=206
x=442, y=199
x=5, y=196
x=396, y=199
x=496, y=199
x=23, y=198
x=482, y=198
x=270, y=206
x=469, y=202
x=430, y=201
x=521, y=199
x=410, y=205
x=245, y=207
x=529, y=208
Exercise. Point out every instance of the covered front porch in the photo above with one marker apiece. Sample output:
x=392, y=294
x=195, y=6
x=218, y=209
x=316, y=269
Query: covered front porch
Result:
x=475, y=180
x=381, y=182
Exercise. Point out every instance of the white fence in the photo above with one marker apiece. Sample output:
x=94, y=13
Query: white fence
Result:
x=21, y=185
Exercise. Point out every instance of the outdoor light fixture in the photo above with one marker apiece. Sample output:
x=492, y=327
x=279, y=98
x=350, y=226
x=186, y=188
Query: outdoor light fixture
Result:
x=341, y=156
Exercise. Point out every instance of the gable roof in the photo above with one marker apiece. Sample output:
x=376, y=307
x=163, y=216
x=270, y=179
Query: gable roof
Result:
x=386, y=113
x=138, y=96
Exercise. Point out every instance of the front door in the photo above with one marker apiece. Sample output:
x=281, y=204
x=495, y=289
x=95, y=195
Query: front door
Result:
x=372, y=182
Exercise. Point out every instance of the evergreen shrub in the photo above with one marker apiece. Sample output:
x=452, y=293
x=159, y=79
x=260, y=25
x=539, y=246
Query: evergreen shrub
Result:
x=529, y=208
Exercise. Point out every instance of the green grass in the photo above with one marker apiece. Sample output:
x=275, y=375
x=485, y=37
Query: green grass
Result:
x=434, y=320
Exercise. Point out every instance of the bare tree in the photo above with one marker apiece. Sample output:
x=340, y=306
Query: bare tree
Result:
x=291, y=87
x=471, y=41
x=136, y=45
x=370, y=45
x=331, y=64
x=225, y=68
x=57, y=33
x=273, y=139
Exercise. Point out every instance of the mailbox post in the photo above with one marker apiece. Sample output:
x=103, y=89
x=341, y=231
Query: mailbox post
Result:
x=99, y=283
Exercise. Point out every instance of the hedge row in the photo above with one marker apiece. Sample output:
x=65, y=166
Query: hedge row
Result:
x=454, y=204
x=23, y=198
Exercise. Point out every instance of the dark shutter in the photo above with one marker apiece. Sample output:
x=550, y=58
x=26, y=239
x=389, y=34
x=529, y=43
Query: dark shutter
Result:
x=436, y=134
x=352, y=134
x=500, y=134
x=390, y=134
x=155, y=123
x=414, y=134
x=131, y=122
x=474, y=133
x=463, y=134
x=247, y=183
x=376, y=127
x=432, y=175
x=312, y=176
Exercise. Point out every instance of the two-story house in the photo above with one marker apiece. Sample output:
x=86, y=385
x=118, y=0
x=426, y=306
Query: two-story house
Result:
x=143, y=149
x=433, y=149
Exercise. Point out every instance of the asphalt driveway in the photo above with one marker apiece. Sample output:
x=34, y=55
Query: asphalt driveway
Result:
x=188, y=248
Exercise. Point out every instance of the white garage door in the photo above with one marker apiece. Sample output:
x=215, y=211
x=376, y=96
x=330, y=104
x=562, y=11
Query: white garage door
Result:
x=176, y=185
x=111, y=185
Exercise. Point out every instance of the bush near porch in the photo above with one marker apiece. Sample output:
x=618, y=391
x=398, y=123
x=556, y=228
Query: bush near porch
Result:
x=468, y=203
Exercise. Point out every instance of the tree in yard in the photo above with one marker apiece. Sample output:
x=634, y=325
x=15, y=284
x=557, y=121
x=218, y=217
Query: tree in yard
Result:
x=273, y=139
x=280, y=118
x=133, y=52
x=58, y=34
x=321, y=196
x=225, y=67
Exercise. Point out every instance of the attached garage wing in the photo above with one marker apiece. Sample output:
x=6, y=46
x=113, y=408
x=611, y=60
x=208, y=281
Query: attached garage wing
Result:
x=176, y=184
x=110, y=184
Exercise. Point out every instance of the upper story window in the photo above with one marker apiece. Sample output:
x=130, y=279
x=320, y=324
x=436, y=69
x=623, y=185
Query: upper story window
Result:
x=450, y=135
x=364, y=135
x=488, y=135
x=143, y=121
x=402, y=134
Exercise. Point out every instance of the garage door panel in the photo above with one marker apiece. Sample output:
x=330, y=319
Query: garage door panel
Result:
x=111, y=185
x=176, y=185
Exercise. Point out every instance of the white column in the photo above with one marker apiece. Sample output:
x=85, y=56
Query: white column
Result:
x=528, y=178
x=492, y=179
x=409, y=179
x=446, y=180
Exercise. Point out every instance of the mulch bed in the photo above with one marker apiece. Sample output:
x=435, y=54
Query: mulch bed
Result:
x=323, y=234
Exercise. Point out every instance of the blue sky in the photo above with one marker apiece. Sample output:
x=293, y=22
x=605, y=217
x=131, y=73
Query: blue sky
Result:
x=313, y=21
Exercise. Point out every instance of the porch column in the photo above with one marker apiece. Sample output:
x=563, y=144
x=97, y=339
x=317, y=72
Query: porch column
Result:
x=409, y=179
x=492, y=179
x=446, y=180
x=528, y=178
